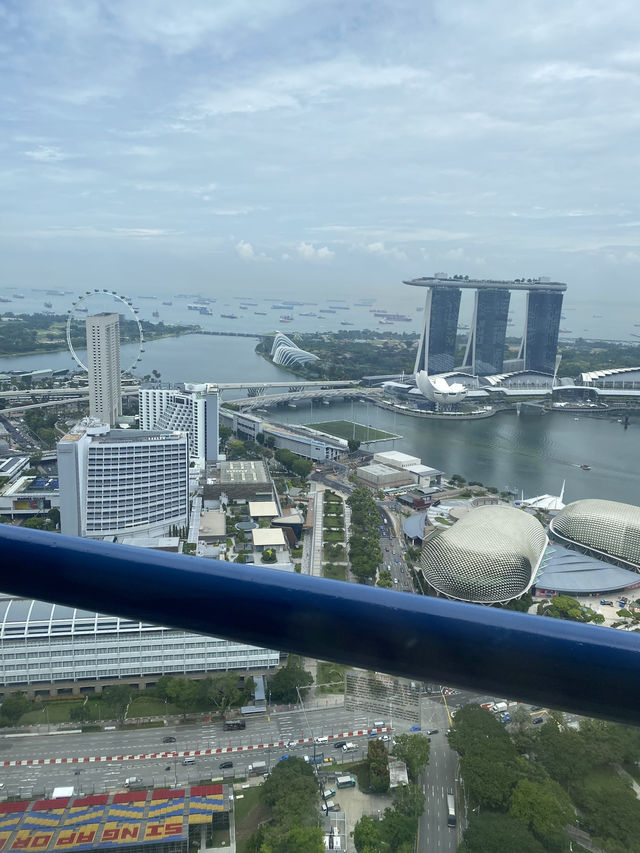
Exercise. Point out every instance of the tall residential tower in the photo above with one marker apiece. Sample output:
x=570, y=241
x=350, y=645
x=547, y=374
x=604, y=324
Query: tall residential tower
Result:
x=485, y=348
x=103, y=361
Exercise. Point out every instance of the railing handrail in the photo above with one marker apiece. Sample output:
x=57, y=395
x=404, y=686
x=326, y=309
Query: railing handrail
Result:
x=587, y=669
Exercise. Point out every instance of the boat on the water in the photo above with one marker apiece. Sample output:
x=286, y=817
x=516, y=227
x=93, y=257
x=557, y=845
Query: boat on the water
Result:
x=229, y=316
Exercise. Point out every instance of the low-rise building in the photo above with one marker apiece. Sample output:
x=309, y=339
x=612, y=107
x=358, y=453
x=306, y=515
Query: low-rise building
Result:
x=380, y=476
x=396, y=459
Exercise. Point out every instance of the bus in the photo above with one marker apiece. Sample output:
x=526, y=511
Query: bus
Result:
x=346, y=782
x=234, y=725
x=451, y=810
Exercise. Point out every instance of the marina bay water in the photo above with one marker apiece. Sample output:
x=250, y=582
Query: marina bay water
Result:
x=528, y=453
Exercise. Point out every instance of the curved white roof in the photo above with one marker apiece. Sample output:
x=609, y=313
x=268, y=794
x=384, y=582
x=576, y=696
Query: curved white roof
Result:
x=288, y=354
x=437, y=389
x=608, y=528
x=490, y=555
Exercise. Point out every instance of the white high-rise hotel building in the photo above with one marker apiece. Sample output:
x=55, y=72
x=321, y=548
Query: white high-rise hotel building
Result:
x=103, y=361
x=122, y=482
x=189, y=407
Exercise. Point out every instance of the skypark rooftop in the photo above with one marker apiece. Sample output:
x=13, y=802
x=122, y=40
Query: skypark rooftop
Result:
x=538, y=284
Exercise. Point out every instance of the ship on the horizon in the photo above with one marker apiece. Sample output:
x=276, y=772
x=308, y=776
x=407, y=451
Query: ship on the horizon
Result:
x=327, y=311
x=286, y=318
x=48, y=304
x=229, y=316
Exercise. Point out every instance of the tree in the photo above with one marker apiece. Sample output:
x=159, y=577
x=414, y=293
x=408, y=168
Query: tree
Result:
x=499, y=833
x=414, y=751
x=544, y=808
x=13, y=707
x=566, y=607
x=378, y=767
x=367, y=836
x=117, y=698
x=399, y=831
x=54, y=515
x=35, y=458
x=353, y=444
x=409, y=800
x=219, y=691
x=384, y=579
x=283, y=683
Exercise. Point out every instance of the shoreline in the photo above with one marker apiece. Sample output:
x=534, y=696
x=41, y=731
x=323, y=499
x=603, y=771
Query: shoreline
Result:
x=66, y=348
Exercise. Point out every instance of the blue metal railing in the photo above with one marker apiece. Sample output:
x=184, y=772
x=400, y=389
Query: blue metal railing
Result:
x=582, y=668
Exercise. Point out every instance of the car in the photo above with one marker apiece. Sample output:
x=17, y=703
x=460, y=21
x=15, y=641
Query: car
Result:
x=323, y=739
x=432, y=731
x=284, y=757
x=538, y=720
x=292, y=744
x=226, y=765
x=383, y=737
x=168, y=739
x=415, y=729
x=608, y=603
x=339, y=744
x=537, y=708
x=132, y=780
x=329, y=759
x=397, y=560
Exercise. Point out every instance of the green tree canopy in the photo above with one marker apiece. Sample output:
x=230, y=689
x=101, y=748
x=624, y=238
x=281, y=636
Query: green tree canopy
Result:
x=13, y=707
x=284, y=682
x=409, y=800
x=494, y=832
x=545, y=809
x=414, y=751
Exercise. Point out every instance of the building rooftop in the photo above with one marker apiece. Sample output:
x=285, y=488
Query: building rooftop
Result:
x=487, y=284
x=377, y=469
x=271, y=537
x=243, y=472
x=213, y=523
x=395, y=456
x=562, y=570
x=263, y=509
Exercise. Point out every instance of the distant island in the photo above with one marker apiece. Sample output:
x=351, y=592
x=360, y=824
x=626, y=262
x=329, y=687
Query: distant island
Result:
x=29, y=334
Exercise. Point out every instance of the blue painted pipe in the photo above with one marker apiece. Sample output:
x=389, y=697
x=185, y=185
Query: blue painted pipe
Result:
x=582, y=668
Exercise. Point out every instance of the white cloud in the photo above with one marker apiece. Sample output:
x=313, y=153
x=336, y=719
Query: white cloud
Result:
x=310, y=253
x=246, y=251
x=381, y=250
x=45, y=154
x=455, y=254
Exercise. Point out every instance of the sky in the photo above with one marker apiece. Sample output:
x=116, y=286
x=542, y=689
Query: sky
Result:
x=284, y=146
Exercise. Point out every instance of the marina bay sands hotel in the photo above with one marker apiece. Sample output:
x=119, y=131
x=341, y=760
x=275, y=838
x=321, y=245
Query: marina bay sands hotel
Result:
x=484, y=354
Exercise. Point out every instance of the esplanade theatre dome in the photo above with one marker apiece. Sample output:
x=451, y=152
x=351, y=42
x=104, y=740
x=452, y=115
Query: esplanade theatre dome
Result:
x=607, y=528
x=488, y=557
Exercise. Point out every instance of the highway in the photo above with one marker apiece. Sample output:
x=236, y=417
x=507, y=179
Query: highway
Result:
x=36, y=779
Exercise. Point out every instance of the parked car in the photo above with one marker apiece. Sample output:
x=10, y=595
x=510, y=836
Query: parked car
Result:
x=323, y=739
x=284, y=757
x=226, y=765
x=415, y=729
x=168, y=739
x=432, y=731
x=292, y=744
x=339, y=744
x=538, y=720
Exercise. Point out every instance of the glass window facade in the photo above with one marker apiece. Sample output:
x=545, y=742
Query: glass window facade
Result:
x=492, y=314
x=543, y=325
x=443, y=329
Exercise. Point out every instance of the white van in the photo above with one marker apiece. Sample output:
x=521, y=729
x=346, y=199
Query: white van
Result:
x=188, y=760
x=132, y=780
x=378, y=724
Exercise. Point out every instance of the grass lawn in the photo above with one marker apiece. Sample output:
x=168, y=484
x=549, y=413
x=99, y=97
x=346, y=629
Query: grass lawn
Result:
x=334, y=536
x=58, y=710
x=329, y=674
x=249, y=812
x=336, y=573
x=349, y=429
x=334, y=552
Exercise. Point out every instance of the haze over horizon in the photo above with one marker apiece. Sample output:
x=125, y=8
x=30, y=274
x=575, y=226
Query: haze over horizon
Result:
x=282, y=146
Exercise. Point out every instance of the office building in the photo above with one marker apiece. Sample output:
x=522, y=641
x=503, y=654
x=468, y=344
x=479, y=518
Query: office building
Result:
x=103, y=362
x=122, y=482
x=49, y=650
x=485, y=348
x=190, y=407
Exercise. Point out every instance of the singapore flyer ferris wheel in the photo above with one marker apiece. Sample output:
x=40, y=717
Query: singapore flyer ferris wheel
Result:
x=80, y=308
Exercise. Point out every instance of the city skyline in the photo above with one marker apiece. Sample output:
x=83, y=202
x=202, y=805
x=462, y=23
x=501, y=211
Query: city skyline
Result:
x=206, y=156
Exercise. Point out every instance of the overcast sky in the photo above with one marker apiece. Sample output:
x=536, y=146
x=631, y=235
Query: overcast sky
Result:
x=267, y=145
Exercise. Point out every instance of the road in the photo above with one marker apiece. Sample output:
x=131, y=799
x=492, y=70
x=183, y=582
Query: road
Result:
x=37, y=780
